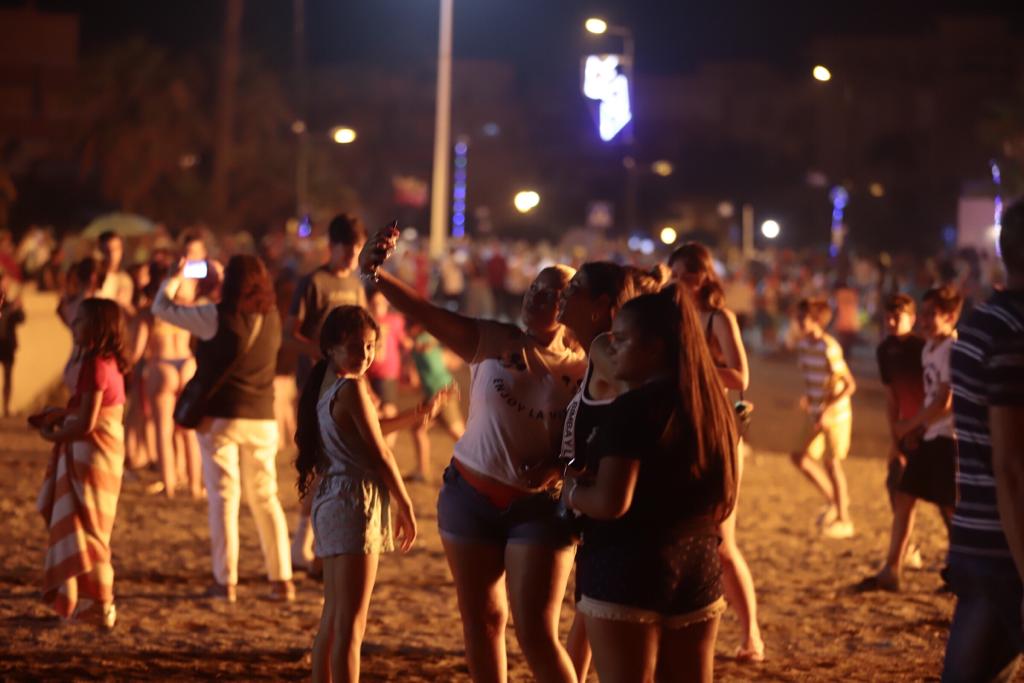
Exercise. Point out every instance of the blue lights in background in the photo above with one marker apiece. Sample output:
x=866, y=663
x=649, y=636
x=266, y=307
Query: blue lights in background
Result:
x=459, y=189
x=840, y=198
x=997, y=178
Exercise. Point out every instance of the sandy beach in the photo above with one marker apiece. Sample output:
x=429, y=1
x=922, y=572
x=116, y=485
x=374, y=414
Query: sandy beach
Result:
x=815, y=626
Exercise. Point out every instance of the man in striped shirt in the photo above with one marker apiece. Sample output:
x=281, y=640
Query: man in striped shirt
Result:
x=828, y=419
x=985, y=636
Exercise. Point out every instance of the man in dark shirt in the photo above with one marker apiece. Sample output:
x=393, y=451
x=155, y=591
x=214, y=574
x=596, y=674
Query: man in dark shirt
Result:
x=331, y=285
x=899, y=365
x=985, y=636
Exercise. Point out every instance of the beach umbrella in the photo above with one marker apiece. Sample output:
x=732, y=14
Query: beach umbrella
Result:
x=124, y=224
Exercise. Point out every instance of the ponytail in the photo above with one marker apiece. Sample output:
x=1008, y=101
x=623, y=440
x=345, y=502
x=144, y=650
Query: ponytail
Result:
x=310, y=460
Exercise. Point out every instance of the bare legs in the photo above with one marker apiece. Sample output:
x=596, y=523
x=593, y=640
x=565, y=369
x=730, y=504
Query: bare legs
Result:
x=625, y=652
x=348, y=585
x=8, y=387
x=537, y=575
x=829, y=479
x=164, y=383
x=738, y=585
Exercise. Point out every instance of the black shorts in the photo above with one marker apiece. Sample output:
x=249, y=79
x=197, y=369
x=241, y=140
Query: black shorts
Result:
x=678, y=577
x=931, y=472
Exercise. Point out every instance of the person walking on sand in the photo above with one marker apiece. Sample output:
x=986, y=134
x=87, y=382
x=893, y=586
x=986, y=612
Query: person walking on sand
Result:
x=828, y=416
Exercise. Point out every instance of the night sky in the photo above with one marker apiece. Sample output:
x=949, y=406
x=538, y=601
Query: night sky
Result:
x=672, y=36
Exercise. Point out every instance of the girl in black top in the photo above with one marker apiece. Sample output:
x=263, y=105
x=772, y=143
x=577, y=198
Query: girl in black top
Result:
x=665, y=478
x=587, y=307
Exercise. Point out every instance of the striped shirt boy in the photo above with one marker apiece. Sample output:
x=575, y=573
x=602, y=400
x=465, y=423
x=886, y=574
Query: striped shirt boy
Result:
x=976, y=531
x=821, y=362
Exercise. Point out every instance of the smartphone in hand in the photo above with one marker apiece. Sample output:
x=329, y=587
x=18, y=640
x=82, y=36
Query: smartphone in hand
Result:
x=195, y=270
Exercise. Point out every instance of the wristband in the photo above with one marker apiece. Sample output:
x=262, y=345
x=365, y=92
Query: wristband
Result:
x=369, y=276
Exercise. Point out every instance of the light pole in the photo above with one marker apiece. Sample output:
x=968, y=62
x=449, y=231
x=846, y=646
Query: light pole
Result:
x=839, y=195
x=442, y=133
x=598, y=26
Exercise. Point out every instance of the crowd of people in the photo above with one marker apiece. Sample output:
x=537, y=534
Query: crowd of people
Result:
x=601, y=435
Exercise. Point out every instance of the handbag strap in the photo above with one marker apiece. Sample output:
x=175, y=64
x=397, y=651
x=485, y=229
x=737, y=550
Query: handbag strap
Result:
x=249, y=343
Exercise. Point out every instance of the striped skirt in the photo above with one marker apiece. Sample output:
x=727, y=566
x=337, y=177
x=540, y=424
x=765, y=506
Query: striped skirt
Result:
x=78, y=500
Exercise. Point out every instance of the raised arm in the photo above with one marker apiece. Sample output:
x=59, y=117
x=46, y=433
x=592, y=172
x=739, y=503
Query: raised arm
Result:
x=458, y=332
x=200, y=320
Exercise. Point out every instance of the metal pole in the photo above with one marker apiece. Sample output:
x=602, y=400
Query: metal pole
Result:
x=748, y=231
x=301, y=89
x=632, y=170
x=442, y=135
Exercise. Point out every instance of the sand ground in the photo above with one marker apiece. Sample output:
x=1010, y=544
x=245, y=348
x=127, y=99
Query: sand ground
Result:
x=816, y=628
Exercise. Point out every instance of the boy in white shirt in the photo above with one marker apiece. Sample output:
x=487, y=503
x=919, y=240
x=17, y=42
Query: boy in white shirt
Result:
x=927, y=439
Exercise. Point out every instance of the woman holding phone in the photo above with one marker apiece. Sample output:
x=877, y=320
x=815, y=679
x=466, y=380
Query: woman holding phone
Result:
x=499, y=526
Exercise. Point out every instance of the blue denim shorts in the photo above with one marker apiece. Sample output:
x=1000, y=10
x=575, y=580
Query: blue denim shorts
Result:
x=464, y=514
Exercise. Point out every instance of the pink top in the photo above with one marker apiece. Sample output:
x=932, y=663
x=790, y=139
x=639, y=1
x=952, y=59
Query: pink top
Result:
x=100, y=374
x=388, y=362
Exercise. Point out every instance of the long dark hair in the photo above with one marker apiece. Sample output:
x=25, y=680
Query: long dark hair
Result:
x=697, y=260
x=619, y=283
x=341, y=324
x=247, y=287
x=104, y=332
x=703, y=412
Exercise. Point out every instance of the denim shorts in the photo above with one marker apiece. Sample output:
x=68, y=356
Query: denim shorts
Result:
x=464, y=514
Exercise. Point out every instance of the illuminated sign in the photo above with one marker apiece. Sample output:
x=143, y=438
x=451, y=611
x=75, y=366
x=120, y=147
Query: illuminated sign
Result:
x=603, y=81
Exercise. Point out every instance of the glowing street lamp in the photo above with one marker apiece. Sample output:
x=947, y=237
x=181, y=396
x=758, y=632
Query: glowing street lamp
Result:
x=821, y=74
x=526, y=201
x=596, y=25
x=770, y=229
x=668, y=235
x=343, y=135
x=663, y=168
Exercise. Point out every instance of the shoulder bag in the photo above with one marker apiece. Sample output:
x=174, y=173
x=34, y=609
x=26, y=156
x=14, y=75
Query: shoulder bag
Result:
x=191, y=406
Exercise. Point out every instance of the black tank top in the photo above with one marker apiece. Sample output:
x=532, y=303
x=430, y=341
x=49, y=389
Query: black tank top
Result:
x=583, y=416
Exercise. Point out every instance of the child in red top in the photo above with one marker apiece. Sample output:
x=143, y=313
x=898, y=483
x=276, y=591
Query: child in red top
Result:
x=79, y=495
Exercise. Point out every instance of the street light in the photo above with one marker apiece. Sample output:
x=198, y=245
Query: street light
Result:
x=770, y=229
x=343, y=135
x=596, y=25
x=526, y=201
x=822, y=74
x=662, y=167
x=615, y=111
x=669, y=235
